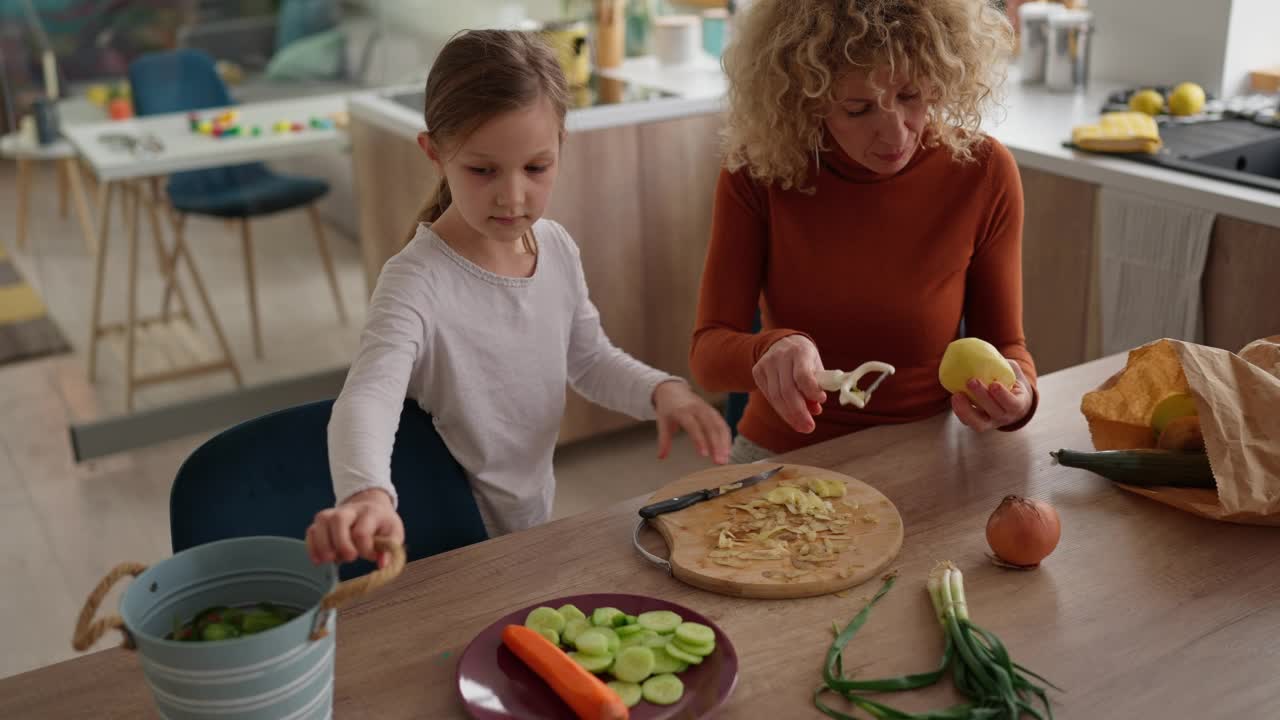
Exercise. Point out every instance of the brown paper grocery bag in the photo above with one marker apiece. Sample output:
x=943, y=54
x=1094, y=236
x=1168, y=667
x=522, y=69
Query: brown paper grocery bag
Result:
x=1237, y=396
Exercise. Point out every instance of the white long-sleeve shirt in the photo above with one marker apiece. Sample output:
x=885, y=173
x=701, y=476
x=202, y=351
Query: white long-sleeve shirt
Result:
x=489, y=357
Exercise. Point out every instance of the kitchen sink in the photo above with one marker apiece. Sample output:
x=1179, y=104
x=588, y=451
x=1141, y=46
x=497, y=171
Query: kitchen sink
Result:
x=1236, y=150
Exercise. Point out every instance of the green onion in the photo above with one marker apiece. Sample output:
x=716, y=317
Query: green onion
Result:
x=997, y=687
x=983, y=669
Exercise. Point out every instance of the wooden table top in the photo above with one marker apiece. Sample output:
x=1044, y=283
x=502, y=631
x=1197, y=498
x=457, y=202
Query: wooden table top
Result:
x=1141, y=611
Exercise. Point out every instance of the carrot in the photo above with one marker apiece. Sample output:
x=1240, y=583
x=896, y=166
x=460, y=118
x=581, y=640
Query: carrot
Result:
x=589, y=697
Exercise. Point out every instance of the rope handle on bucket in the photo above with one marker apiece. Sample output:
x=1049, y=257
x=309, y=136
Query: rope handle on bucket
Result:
x=357, y=587
x=88, y=630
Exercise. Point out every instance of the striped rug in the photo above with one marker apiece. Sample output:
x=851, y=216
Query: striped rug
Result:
x=26, y=331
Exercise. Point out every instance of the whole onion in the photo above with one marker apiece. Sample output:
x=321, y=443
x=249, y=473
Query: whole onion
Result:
x=1023, y=531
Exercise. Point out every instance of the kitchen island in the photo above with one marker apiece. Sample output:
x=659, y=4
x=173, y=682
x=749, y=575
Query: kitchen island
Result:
x=1142, y=611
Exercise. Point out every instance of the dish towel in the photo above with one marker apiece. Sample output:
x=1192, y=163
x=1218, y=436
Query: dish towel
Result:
x=1119, y=132
x=1152, y=258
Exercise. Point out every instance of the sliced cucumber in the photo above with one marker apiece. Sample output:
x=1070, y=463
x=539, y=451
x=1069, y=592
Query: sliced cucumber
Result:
x=604, y=617
x=550, y=634
x=663, y=689
x=633, y=664
x=593, y=663
x=631, y=619
x=692, y=649
x=614, y=641
x=682, y=655
x=573, y=628
x=630, y=641
x=570, y=612
x=645, y=638
x=545, y=617
x=660, y=621
x=628, y=630
x=628, y=691
x=664, y=663
x=651, y=639
x=592, y=642
x=696, y=634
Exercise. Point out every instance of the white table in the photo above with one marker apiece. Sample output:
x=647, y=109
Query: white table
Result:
x=185, y=150
x=175, y=148
x=63, y=156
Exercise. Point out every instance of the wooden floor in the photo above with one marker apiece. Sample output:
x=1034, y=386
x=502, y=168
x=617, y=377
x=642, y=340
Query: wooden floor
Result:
x=63, y=525
x=300, y=328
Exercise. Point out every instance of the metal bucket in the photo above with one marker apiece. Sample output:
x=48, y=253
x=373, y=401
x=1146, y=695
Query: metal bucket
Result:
x=284, y=672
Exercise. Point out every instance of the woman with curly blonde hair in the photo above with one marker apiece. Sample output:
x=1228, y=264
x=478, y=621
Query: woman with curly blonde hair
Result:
x=865, y=214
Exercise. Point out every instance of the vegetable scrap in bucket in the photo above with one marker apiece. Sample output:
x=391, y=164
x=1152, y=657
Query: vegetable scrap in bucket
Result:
x=221, y=622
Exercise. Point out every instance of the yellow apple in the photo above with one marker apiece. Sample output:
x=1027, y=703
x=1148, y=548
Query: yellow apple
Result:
x=973, y=358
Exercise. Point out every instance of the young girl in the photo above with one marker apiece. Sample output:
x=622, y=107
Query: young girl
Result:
x=484, y=315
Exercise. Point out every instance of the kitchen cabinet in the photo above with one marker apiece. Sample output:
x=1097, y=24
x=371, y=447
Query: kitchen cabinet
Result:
x=679, y=167
x=1058, y=269
x=1241, y=283
x=1240, y=295
x=595, y=199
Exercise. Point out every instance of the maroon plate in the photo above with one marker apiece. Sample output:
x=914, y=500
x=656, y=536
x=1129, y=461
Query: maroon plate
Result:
x=496, y=685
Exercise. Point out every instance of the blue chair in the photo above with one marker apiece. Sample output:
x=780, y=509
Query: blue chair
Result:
x=736, y=403
x=270, y=476
x=184, y=81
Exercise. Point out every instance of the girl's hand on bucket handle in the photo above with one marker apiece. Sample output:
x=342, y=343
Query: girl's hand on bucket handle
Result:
x=345, y=532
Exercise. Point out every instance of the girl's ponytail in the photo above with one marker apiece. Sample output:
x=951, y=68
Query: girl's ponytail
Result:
x=435, y=206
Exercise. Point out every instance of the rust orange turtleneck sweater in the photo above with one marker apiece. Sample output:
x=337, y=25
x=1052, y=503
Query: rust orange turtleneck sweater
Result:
x=870, y=268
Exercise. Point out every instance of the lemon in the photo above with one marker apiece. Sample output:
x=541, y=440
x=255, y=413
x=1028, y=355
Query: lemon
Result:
x=1147, y=101
x=1186, y=99
x=1171, y=408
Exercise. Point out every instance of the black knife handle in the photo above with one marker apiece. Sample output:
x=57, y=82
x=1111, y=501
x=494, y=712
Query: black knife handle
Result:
x=680, y=502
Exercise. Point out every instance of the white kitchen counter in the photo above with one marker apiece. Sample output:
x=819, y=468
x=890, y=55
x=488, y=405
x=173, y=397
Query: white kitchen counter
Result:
x=698, y=90
x=1033, y=125
x=1036, y=123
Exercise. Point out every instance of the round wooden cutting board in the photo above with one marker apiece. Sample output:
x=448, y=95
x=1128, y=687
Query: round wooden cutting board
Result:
x=868, y=542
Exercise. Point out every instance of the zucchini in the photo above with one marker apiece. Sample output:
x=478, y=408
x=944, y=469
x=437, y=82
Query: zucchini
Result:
x=1144, y=467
